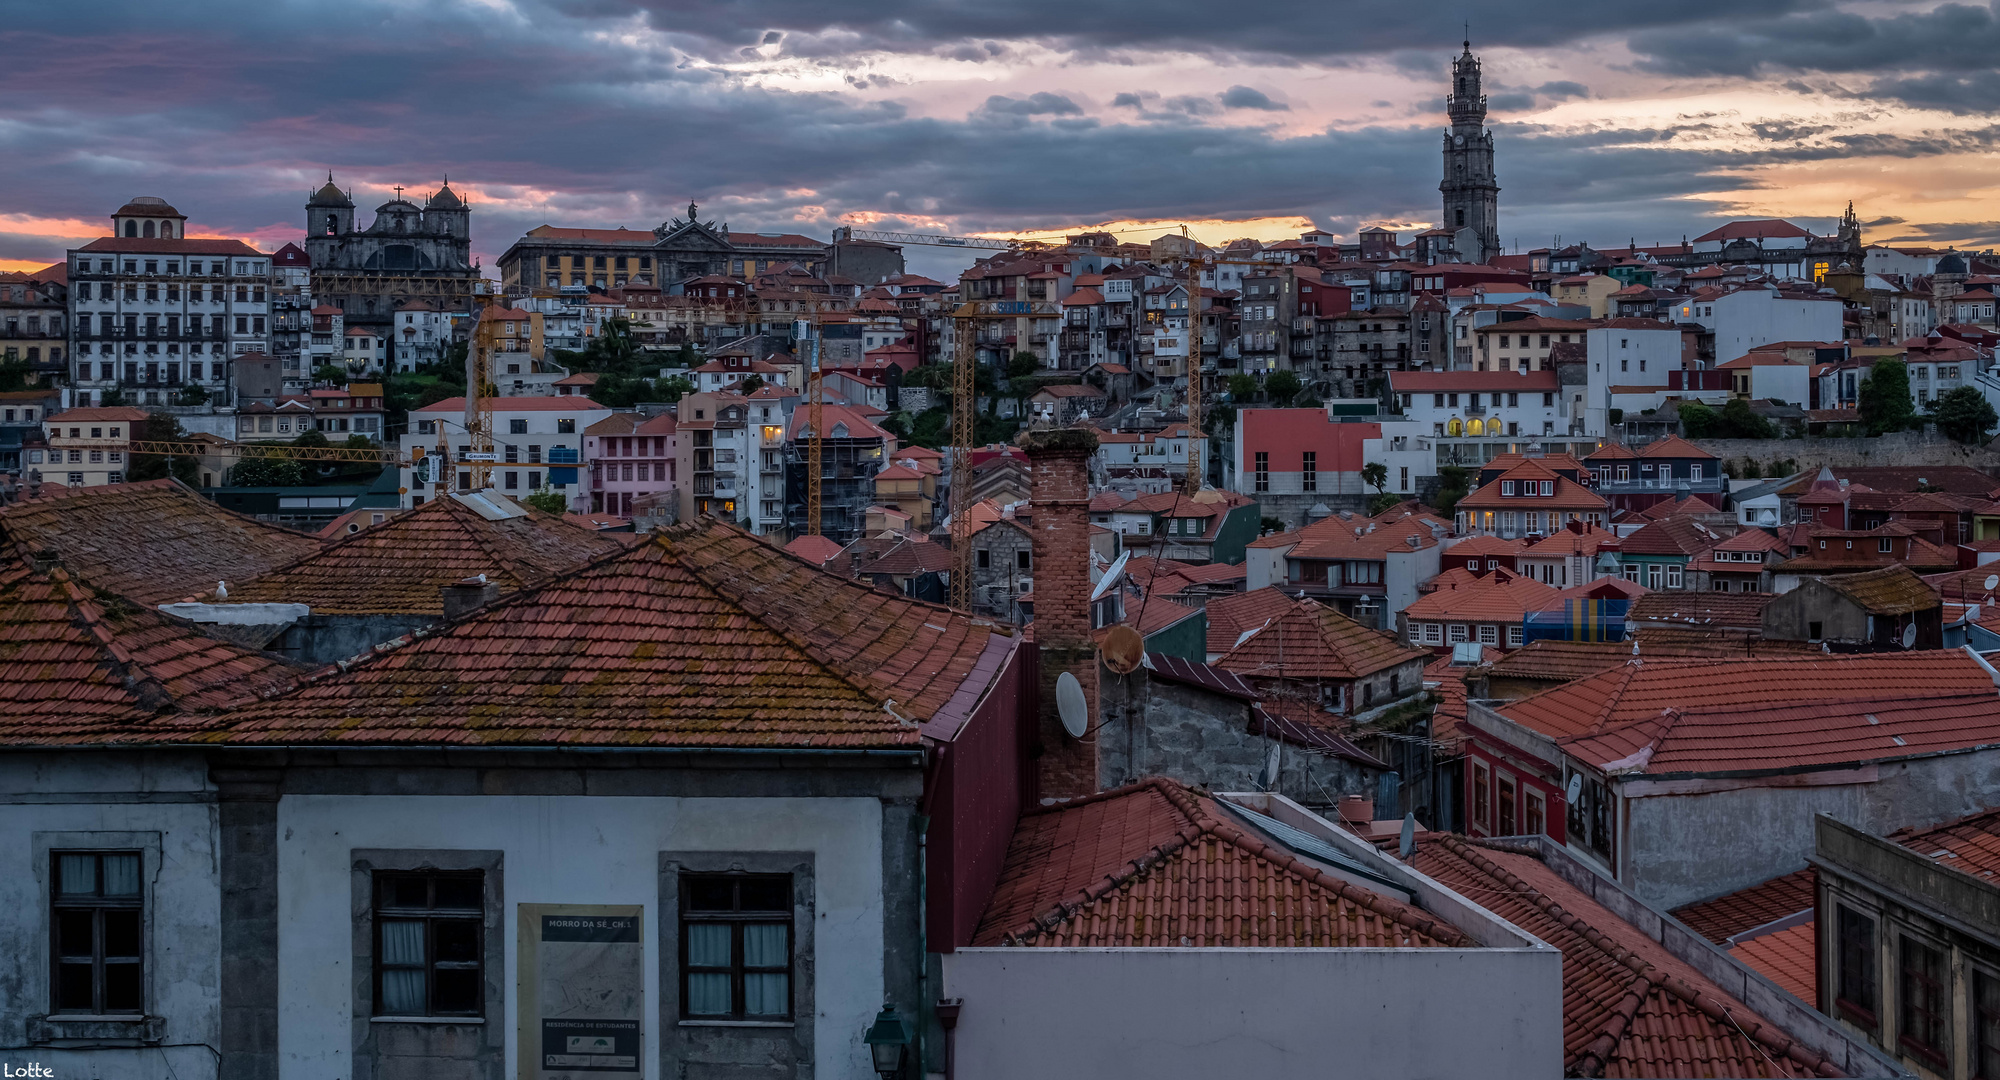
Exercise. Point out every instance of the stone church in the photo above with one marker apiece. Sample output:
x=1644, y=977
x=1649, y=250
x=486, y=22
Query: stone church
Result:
x=1471, y=191
x=407, y=253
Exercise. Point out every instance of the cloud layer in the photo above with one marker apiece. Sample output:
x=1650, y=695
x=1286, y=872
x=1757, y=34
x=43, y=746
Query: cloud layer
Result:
x=1613, y=121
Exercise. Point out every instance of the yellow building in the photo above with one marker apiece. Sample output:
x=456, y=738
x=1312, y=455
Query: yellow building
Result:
x=1591, y=290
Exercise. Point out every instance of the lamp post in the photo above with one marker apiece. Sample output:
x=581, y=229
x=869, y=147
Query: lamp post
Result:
x=888, y=1042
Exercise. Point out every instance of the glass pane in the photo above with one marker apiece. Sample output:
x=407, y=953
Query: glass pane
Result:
x=462, y=893
x=766, y=995
x=708, y=995
x=406, y=892
x=457, y=939
x=711, y=894
x=77, y=874
x=123, y=991
x=121, y=933
x=767, y=894
x=764, y=945
x=74, y=934
x=457, y=990
x=402, y=942
x=403, y=992
x=1986, y=1021
x=708, y=945
x=121, y=875
x=73, y=988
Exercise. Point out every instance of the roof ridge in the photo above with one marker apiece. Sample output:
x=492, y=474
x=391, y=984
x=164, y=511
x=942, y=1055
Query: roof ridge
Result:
x=88, y=616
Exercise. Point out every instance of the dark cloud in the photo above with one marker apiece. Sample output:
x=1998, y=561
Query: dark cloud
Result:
x=1041, y=104
x=1562, y=90
x=1243, y=97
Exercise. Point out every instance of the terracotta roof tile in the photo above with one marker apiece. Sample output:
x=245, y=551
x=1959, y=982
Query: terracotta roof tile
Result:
x=814, y=548
x=1155, y=864
x=1724, y=917
x=1494, y=598
x=80, y=666
x=400, y=566
x=1892, y=590
x=1229, y=617
x=1630, y=1008
x=1702, y=608
x=152, y=542
x=1788, y=957
x=1449, y=713
x=1671, y=536
x=1312, y=641
x=1969, y=845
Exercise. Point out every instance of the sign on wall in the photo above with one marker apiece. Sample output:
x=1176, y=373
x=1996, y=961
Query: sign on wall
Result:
x=581, y=991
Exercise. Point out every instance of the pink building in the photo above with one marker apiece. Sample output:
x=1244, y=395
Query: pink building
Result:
x=629, y=455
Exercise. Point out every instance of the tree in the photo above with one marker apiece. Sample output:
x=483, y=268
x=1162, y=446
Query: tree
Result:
x=1382, y=500
x=671, y=388
x=1242, y=387
x=1698, y=421
x=14, y=374
x=193, y=395
x=1282, y=386
x=1885, y=398
x=1376, y=475
x=359, y=442
x=267, y=472
x=752, y=384
x=330, y=373
x=1964, y=415
x=1023, y=364
x=1455, y=483
x=547, y=500
x=159, y=427
x=1739, y=422
x=1751, y=470
x=311, y=439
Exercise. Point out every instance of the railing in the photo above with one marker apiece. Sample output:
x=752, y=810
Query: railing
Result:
x=1706, y=483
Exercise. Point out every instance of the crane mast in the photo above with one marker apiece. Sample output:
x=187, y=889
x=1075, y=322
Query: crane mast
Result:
x=478, y=403
x=1196, y=465
x=964, y=422
x=807, y=337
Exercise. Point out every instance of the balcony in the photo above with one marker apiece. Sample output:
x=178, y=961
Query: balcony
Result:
x=1709, y=484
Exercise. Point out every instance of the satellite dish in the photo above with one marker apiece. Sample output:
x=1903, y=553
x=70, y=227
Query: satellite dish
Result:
x=1407, y=843
x=1267, y=777
x=1071, y=705
x=1909, y=635
x=1111, y=577
x=1992, y=582
x=1574, y=790
x=1122, y=649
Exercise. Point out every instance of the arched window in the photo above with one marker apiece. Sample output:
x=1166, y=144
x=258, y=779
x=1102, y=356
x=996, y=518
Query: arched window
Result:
x=131, y=228
x=1461, y=219
x=1455, y=427
x=332, y=224
x=149, y=230
x=1475, y=427
x=167, y=229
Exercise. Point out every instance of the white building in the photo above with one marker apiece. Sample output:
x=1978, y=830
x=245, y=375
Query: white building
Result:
x=537, y=442
x=423, y=334
x=363, y=351
x=1455, y=404
x=1630, y=362
x=1754, y=315
x=152, y=311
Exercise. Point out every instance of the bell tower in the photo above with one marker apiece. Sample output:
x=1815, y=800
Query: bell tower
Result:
x=1471, y=192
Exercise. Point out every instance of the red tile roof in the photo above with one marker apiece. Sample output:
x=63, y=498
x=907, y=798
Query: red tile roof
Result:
x=1313, y=641
x=153, y=542
x=1630, y=1008
x=814, y=548
x=1702, y=608
x=1969, y=845
x=1493, y=598
x=702, y=636
x=379, y=571
x=147, y=246
x=1229, y=617
x=1671, y=536
x=1755, y=229
x=1724, y=917
x=1439, y=382
x=80, y=666
x=1154, y=864
x=1788, y=957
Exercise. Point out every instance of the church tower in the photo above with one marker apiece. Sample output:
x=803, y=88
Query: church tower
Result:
x=1471, y=194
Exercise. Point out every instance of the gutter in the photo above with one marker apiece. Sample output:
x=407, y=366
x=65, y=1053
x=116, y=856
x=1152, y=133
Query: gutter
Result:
x=915, y=753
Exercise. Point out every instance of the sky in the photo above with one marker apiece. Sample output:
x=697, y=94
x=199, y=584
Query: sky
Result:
x=1613, y=122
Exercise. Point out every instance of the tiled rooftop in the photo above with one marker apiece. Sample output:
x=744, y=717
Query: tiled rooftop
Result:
x=1892, y=590
x=1493, y=598
x=400, y=566
x=1312, y=641
x=1156, y=864
x=1702, y=608
x=1630, y=1008
x=1724, y=917
x=1970, y=845
x=80, y=666
x=1788, y=957
x=1230, y=616
x=153, y=542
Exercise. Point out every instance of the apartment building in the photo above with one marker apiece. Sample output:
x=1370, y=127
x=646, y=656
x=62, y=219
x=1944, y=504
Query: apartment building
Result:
x=537, y=442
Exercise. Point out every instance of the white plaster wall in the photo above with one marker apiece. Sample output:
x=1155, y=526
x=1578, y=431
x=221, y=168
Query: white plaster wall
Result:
x=1239, y=1013
x=1744, y=320
x=571, y=850
x=184, y=942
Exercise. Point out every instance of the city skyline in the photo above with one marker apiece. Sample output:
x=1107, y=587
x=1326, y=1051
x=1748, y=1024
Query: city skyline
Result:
x=1609, y=125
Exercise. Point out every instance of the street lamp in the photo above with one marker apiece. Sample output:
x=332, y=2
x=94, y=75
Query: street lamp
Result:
x=888, y=1042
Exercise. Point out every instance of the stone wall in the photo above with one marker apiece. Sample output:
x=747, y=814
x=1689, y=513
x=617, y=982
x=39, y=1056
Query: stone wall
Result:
x=1904, y=449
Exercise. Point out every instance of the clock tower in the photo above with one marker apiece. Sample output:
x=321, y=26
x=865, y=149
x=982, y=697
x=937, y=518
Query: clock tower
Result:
x=1471, y=194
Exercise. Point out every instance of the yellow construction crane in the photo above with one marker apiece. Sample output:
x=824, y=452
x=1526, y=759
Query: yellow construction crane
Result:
x=964, y=423
x=247, y=451
x=1197, y=463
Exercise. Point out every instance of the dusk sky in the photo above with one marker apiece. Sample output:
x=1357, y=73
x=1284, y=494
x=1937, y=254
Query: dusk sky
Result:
x=1613, y=121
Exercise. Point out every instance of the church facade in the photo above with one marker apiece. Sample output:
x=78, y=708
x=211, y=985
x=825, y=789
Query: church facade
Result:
x=1471, y=190
x=407, y=253
x=677, y=251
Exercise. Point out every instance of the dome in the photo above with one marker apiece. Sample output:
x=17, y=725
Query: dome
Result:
x=1952, y=263
x=445, y=199
x=330, y=195
x=147, y=206
x=398, y=206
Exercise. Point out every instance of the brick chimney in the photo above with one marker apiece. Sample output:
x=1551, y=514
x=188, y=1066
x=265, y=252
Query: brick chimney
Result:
x=1066, y=767
x=468, y=594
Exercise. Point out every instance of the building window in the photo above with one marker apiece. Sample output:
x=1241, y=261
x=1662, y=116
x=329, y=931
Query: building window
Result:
x=984, y=558
x=1024, y=560
x=1263, y=463
x=1457, y=633
x=1923, y=994
x=736, y=946
x=98, y=919
x=1673, y=577
x=517, y=426
x=1536, y=822
x=1985, y=1025
x=1433, y=633
x=1514, y=637
x=1489, y=634
x=1480, y=794
x=1309, y=471
x=428, y=952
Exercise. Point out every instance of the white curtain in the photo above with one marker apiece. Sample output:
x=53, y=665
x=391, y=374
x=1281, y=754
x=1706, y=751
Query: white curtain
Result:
x=765, y=994
x=79, y=874
x=708, y=992
x=121, y=875
x=402, y=987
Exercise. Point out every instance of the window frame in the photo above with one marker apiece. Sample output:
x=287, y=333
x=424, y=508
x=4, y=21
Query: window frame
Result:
x=97, y=904
x=1937, y=1055
x=737, y=918
x=1864, y=1014
x=430, y=915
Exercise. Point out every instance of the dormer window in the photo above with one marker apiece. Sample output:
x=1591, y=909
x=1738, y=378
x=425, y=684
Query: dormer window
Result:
x=1548, y=487
x=1506, y=487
